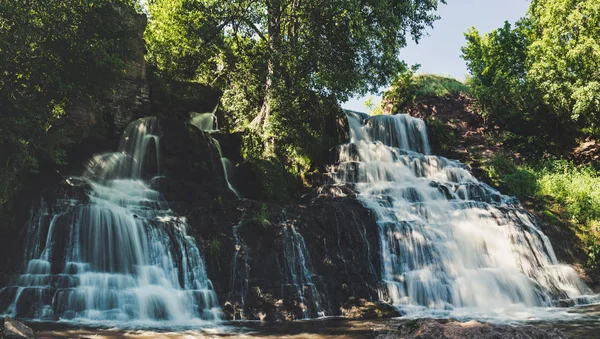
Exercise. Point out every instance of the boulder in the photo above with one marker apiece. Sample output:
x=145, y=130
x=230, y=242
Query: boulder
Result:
x=16, y=330
x=364, y=309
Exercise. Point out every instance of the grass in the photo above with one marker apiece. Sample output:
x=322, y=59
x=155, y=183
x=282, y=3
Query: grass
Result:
x=437, y=85
x=408, y=88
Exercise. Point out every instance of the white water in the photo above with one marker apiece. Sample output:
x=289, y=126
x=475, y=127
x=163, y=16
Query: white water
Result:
x=298, y=274
x=110, y=251
x=208, y=122
x=240, y=270
x=449, y=243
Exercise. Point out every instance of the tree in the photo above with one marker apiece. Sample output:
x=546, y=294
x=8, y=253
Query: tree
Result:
x=498, y=64
x=335, y=48
x=52, y=53
x=565, y=57
x=540, y=80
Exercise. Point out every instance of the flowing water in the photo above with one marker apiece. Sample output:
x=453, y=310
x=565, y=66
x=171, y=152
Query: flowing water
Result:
x=298, y=274
x=208, y=122
x=106, y=249
x=449, y=243
x=239, y=273
x=109, y=250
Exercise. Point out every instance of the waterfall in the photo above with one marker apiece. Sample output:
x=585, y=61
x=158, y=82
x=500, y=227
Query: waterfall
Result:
x=208, y=122
x=298, y=274
x=109, y=250
x=239, y=273
x=204, y=121
x=447, y=241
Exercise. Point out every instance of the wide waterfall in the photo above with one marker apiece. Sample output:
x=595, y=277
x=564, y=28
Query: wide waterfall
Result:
x=109, y=249
x=448, y=242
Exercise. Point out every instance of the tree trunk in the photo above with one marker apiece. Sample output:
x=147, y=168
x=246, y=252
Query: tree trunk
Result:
x=273, y=43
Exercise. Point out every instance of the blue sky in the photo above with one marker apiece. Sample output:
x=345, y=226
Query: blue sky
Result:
x=439, y=53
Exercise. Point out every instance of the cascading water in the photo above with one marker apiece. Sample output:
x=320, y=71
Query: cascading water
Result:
x=239, y=273
x=448, y=242
x=110, y=250
x=208, y=122
x=298, y=274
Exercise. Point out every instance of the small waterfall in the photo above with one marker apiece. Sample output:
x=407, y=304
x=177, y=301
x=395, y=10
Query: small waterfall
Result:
x=109, y=249
x=298, y=274
x=208, y=122
x=204, y=121
x=447, y=241
x=239, y=273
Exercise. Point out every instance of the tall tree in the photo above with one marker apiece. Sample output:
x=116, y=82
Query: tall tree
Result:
x=334, y=47
x=565, y=57
x=541, y=79
x=51, y=54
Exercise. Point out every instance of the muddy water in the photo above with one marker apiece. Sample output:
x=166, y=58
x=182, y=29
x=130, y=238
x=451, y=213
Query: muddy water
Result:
x=319, y=328
x=578, y=322
x=586, y=325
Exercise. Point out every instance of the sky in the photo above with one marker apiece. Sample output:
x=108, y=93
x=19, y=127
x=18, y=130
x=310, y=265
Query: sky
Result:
x=439, y=51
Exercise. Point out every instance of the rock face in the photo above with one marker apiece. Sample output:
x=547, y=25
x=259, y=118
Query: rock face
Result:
x=16, y=330
x=191, y=168
x=447, y=329
x=247, y=252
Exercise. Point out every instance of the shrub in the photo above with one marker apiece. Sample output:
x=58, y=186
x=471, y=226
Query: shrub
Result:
x=442, y=136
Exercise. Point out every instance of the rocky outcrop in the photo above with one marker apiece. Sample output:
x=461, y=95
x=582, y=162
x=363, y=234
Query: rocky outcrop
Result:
x=449, y=329
x=363, y=309
x=16, y=330
x=191, y=169
x=244, y=244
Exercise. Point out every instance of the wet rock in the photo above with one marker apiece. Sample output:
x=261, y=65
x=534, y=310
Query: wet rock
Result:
x=16, y=330
x=364, y=309
x=190, y=159
x=448, y=329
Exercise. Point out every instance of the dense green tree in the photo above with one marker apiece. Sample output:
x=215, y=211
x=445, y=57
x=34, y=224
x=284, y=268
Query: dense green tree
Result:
x=283, y=64
x=335, y=48
x=539, y=80
x=52, y=53
x=565, y=57
x=499, y=65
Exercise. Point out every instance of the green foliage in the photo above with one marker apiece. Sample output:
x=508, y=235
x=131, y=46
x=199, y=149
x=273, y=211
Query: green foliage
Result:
x=578, y=188
x=52, y=54
x=564, y=55
x=283, y=66
x=594, y=252
x=407, y=88
x=442, y=137
x=435, y=85
x=498, y=65
x=357, y=42
x=263, y=215
x=373, y=108
x=213, y=248
x=540, y=80
x=512, y=179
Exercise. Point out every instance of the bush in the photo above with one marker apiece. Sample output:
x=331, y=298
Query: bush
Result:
x=578, y=188
x=521, y=183
x=442, y=136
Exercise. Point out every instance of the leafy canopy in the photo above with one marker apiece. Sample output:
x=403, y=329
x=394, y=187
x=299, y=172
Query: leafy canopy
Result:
x=52, y=53
x=540, y=79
